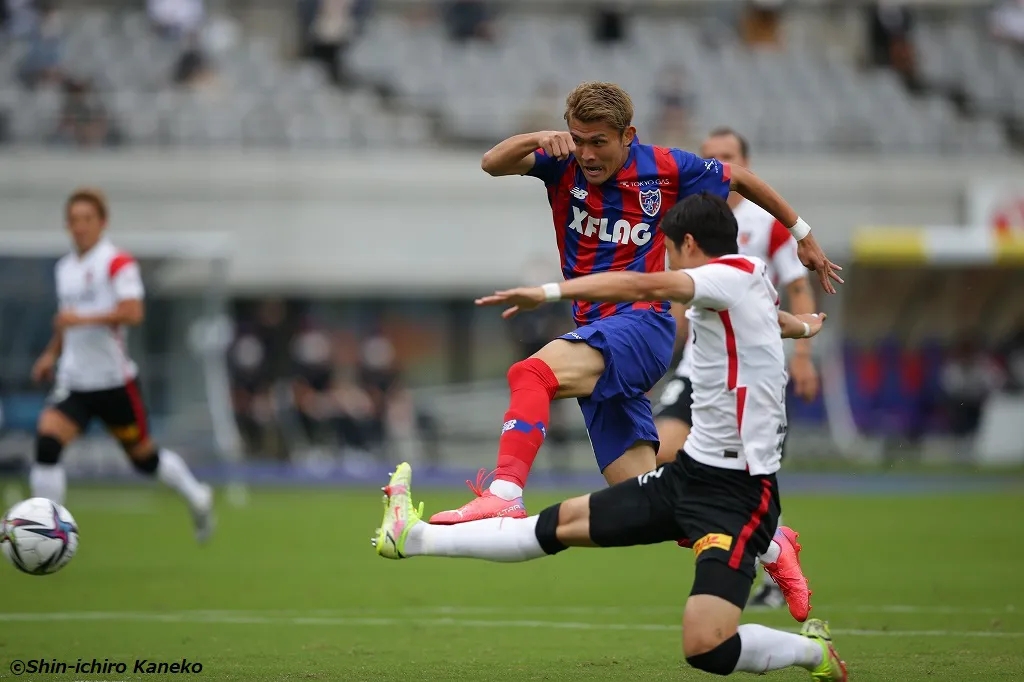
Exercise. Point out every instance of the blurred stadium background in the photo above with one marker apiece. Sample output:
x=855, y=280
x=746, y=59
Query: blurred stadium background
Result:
x=301, y=182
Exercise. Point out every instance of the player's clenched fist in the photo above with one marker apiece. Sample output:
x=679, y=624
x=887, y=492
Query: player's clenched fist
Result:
x=557, y=144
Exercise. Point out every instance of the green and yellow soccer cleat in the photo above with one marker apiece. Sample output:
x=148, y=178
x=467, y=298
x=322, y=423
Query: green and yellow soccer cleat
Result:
x=399, y=514
x=832, y=668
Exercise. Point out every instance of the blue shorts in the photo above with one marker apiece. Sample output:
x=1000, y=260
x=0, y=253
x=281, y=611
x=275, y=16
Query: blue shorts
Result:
x=637, y=348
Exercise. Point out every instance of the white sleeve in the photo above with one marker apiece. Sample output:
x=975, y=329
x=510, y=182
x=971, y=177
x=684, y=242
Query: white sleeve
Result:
x=127, y=283
x=719, y=286
x=787, y=264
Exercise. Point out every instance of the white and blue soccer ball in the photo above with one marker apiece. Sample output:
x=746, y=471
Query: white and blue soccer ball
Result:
x=38, y=536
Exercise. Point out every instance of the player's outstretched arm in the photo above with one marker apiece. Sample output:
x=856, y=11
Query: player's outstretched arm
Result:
x=515, y=156
x=603, y=287
x=802, y=326
x=129, y=312
x=751, y=187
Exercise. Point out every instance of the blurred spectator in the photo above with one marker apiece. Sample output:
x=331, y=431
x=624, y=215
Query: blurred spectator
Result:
x=889, y=35
x=256, y=361
x=84, y=120
x=331, y=411
x=1006, y=22
x=193, y=69
x=251, y=383
x=328, y=29
x=761, y=23
x=469, y=20
x=176, y=19
x=609, y=24
x=674, y=109
x=41, y=63
x=397, y=424
x=968, y=376
x=1013, y=358
x=545, y=110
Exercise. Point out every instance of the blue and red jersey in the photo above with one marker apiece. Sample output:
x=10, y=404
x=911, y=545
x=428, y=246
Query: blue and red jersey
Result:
x=615, y=225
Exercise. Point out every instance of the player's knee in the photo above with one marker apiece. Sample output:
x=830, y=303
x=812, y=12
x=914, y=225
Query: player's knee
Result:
x=713, y=655
x=532, y=371
x=547, y=530
x=145, y=461
x=48, y=450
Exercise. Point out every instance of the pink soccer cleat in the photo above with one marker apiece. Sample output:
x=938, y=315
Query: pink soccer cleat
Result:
x=788, y=575
x=486, y=505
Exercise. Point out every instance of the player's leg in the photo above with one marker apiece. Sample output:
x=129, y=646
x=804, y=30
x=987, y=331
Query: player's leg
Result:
x=731, y=533
x=673, y=418
x=124, y=413
x=764, y=429
x=636, y=512
x=559, y=370
x=59, y=424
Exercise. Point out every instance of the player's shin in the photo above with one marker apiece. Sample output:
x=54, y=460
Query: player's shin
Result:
x=532, y=385
x=47, y=478
x=500, y=539
x=173, y=472
x=763, y=649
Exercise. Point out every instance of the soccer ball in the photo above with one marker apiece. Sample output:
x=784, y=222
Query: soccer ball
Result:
x=38, y=536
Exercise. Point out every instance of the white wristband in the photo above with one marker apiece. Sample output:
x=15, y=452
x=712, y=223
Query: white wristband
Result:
x=552, y=292
x=800, y=230
x=807, y=330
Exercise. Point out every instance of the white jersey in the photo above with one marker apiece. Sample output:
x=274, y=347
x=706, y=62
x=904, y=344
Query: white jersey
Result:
x=95, y=357
x=738, y=368
x=764, y=237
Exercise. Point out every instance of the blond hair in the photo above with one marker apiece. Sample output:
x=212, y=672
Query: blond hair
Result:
x=598, y=102
x=89, y=195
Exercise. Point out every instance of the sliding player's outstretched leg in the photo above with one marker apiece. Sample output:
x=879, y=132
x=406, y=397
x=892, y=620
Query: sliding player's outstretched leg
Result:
x=636, y=512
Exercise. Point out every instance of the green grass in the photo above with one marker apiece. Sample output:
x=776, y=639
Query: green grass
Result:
x=917, y=588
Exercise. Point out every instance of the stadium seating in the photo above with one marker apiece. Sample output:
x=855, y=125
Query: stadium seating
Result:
x=817, y=102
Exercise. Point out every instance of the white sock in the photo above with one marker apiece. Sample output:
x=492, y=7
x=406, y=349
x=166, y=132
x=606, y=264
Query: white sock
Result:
x=506, y=490
x=173, y=472
x=763, y=649
x=772, y=554
x=503, y=539
x=49, y=481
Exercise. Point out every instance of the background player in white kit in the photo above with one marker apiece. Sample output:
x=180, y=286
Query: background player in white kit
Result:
x=762, y=236
x=721, y=491
x=100, y=294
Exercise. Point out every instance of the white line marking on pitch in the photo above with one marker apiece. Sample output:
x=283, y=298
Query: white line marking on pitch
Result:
x=254, y=618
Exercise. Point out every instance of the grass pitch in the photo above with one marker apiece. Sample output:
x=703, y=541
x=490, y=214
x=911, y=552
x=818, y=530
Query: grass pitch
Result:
x=923, y=587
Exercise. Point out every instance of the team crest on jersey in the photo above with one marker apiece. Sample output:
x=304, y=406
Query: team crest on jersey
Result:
x=650, y=201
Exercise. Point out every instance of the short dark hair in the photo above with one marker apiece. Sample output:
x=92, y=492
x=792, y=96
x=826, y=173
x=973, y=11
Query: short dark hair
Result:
x=88, y=195
x=726, y=131
x=708, y=219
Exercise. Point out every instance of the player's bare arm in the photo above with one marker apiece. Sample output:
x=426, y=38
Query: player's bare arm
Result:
x=128, y=312
x=802, y=326
x=801, y=365
x=603, y=287
x=42, y=370
x=751, y=187
x=514, y=156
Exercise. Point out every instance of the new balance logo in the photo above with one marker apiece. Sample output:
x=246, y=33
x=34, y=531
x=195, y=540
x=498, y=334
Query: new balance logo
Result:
x=524, y=427
x=650, y=474
x=579, y=193
x=622, y=231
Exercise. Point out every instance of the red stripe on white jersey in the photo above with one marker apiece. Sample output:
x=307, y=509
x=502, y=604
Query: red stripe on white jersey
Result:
x=738, y=262
x=741, y=403
x=118, y=262
x=780, y=235
x=730, y=348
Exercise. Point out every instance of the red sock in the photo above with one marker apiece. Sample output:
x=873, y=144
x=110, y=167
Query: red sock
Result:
x=533, y=387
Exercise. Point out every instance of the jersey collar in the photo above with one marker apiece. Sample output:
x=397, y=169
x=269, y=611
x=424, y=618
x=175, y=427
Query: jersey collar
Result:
x=103, y=241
